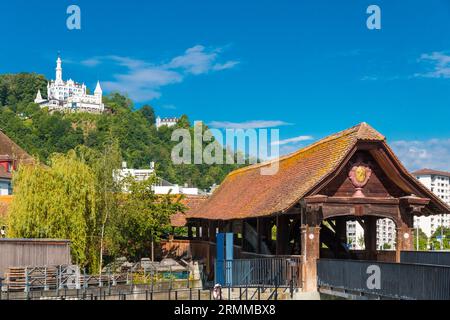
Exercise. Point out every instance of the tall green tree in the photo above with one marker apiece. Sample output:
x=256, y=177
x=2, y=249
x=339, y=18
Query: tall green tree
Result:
x=440, y=239
x=143, y=217
x=20, y=88
x=57, y=202
x=423, y=240
x=149, y=114
x=104, y=165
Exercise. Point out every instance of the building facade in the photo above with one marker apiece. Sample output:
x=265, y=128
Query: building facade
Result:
x=161, y=187
x=6, y=169
x=69, y=96
x=386, y=235
x=439, y=183
x=355, y=236
x=11, y=157
x=168, y=122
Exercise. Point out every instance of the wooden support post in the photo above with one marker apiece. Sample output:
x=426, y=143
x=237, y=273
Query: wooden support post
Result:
x=229, y=227
x=259, y=231
x=190, y=237
x=212, y=231
x=282, y=235
x=405, y=225
x=341, y=229
x=205, y=231
x=370, y=237
x=310, y=254
x=242, y=242
x=405, y=241
x=220, y=226
x=198, y=231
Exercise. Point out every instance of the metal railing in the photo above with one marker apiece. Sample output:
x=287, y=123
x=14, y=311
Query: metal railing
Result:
x=150, y=293
x=426, y=257
x=267, y=272
x=396, y=281
x=57, y=278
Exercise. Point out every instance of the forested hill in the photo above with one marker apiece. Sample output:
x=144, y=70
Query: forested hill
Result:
x=41, y=134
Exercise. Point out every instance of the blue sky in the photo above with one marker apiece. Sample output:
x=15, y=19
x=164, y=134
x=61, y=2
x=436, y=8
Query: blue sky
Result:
x=310, y=68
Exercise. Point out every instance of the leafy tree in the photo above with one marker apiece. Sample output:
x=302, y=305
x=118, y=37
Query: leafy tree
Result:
x=361, y=242
x=104, y=165
x=143, y=218
x=57, y=202
x=149, y=114
x=436, y=241
x=117, y=102
x=423, y=240
x=184, y=122
x=20, y=88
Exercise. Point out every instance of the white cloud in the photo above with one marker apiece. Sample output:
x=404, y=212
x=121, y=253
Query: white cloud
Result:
x=143, y=80
x=199, y=60
x=293, y=140
x=369, y=78
x=130, y=63
x=91, y=62
x=440, y=63
x=225, y=66
x=254, y=124
x=432, y=154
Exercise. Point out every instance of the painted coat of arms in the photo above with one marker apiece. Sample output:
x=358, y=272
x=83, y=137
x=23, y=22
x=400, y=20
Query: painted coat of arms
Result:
x=359, y=175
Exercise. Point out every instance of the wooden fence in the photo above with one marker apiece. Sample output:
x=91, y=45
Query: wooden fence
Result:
x=33, y=252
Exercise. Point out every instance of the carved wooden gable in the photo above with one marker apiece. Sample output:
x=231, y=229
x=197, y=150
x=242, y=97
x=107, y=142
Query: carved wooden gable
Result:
x=362, y=177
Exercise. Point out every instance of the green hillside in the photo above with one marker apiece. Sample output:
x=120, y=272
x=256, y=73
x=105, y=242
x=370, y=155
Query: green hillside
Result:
x=43, y=134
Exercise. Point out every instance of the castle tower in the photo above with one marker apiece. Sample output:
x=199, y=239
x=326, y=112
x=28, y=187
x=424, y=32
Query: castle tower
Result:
x=39, y=98
x=59, y=71
x=98, y=89
x=98, y=92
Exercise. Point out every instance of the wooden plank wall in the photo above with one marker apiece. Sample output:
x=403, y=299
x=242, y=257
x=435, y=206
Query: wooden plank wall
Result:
x=23, y=253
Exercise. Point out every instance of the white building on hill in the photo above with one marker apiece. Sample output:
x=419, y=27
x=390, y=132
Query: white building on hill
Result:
x=168, y=122
x=136, y=174
x=69, y=96
x=161, y=187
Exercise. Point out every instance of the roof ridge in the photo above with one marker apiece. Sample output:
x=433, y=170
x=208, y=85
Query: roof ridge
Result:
x=13, y=151
x=328, y=138
x=365, y=130
x=428, y=171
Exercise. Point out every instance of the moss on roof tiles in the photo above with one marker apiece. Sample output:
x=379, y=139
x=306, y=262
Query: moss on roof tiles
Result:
x=247, y=193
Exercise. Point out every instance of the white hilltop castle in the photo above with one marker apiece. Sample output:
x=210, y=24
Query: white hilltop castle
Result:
x=69, y=96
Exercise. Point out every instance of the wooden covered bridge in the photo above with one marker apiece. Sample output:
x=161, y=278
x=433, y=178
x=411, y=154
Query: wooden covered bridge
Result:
x=303, y=210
